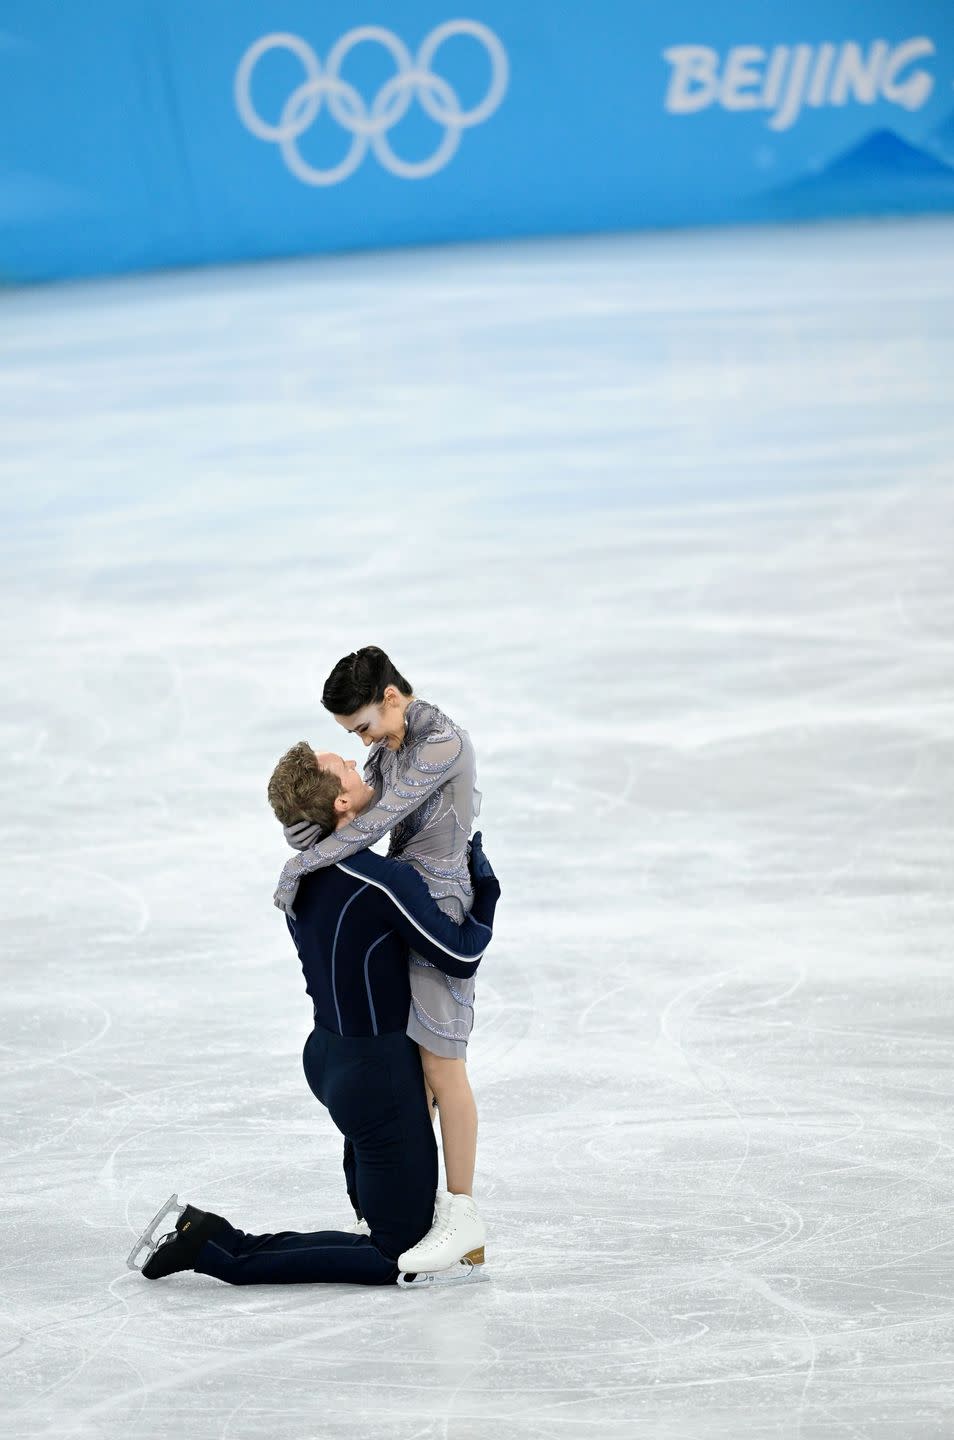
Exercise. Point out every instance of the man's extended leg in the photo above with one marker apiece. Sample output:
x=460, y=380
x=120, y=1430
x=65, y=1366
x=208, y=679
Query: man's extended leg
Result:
x=292, y=1258
x=209, y=1244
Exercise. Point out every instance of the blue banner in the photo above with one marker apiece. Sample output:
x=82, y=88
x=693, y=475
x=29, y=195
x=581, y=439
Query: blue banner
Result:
x=141, y=133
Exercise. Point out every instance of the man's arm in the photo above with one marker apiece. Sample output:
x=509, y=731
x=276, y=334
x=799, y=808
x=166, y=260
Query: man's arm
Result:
x=452, y=948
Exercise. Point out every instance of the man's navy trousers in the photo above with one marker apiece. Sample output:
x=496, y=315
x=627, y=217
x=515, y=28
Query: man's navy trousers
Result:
x=373, y=1088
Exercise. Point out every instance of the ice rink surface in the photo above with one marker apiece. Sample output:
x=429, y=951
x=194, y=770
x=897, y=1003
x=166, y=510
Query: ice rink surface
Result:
x=668, y=524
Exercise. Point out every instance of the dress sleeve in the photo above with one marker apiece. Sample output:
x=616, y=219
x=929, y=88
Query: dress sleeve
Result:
x=408, y=908
x=433, y=760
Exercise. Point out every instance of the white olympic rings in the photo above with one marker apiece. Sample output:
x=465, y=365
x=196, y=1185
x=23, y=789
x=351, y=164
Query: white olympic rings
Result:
x=369, y=126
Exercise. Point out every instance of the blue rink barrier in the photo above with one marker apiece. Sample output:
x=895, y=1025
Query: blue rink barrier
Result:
x=140, y=133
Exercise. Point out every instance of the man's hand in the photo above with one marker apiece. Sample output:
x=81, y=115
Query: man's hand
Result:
x=481, y=870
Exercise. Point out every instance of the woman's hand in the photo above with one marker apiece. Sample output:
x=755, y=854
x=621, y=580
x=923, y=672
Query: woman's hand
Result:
x=303, y=835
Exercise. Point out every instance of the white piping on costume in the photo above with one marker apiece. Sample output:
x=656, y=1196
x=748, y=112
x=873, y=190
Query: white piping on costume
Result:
x=367, y=981
x=334, y=950
x=454, y=954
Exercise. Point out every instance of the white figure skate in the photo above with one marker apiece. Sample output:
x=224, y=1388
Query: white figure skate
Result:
x=452, y=1249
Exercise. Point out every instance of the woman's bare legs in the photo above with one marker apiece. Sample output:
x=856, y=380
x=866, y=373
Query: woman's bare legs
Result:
x=448, y=1082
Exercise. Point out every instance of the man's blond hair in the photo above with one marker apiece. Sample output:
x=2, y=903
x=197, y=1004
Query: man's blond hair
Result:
x=300, y=790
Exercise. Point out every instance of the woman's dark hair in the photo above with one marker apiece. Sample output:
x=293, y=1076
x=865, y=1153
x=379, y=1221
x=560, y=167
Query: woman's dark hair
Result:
x=361, y=679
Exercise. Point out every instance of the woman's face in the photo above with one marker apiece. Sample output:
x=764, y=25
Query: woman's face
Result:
x=384, y=721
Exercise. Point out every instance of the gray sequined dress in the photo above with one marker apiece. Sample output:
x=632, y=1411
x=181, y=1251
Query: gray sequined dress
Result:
x=425, y=794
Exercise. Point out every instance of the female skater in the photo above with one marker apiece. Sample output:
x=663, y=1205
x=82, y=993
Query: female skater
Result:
x=422, y=771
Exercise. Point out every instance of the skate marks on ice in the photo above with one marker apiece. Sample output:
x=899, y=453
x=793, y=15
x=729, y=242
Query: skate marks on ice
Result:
x=706, y=593
x=872, y=1173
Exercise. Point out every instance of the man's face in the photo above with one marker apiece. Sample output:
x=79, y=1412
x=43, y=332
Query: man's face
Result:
x=355, y=795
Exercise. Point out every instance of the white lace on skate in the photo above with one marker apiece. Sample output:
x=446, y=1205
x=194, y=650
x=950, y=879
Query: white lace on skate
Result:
x=151, y=1238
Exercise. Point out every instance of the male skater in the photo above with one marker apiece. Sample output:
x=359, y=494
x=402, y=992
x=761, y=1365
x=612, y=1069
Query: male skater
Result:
x=354, y=923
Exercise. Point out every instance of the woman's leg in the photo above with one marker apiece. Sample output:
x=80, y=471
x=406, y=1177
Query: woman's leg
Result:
x=431, y=1097
x=458, y=1111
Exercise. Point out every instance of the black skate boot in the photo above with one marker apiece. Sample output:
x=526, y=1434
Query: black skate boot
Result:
x=179, y=1249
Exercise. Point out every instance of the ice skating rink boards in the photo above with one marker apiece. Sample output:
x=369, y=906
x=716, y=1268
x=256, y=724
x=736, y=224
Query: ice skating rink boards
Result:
x=667, y=523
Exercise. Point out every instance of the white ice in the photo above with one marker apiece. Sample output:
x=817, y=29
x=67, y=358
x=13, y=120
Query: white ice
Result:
x=667, y=523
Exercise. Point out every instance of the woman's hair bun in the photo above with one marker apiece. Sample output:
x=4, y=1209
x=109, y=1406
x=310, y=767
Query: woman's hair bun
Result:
x=360, y=679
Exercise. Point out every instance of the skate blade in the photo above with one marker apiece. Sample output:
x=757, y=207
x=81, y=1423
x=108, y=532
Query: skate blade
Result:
x=465, y=1269
x=147, y=1243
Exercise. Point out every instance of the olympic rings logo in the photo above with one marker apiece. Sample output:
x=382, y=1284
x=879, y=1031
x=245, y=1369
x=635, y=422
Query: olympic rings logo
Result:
x=369, y=125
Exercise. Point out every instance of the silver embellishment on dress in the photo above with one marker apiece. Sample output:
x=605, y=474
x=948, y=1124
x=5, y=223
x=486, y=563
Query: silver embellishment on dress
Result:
x=438, y=1027
x=413, y=824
